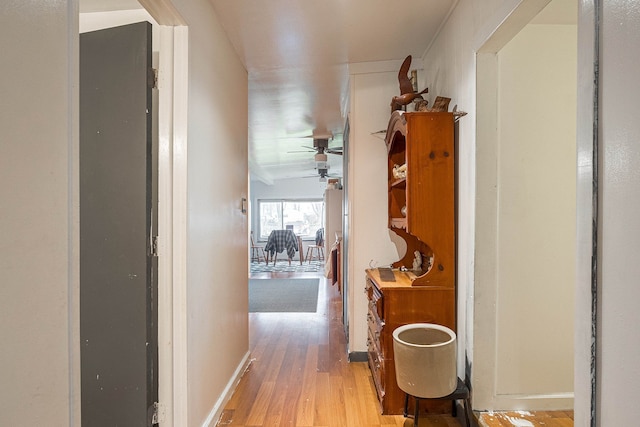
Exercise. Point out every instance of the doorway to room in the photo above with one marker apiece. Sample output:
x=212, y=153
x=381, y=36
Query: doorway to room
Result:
x=525, y=212
x=296, y=228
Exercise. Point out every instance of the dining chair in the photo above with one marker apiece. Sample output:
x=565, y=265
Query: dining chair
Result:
x=257, y=252
x=318, y=248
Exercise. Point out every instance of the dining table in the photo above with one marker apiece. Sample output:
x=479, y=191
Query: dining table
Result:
x=281, y=240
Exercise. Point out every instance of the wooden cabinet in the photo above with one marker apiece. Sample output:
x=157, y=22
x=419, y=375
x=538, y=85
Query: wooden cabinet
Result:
x=393, y=304
x=422, y=213
x=422, y=205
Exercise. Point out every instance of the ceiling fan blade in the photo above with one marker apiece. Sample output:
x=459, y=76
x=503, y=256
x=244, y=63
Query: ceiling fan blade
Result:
x=302, y=151
x=296, y=137
x=320, y=135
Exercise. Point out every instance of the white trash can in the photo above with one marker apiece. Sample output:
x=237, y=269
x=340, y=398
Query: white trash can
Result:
x=425, y=360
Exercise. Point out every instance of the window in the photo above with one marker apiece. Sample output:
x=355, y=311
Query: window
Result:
x=303, y=216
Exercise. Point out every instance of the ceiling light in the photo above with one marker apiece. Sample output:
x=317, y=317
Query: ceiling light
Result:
x=320, y=157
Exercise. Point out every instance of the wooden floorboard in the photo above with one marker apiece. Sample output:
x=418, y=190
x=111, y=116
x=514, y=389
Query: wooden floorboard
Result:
x=300, y=376
x=526, y=419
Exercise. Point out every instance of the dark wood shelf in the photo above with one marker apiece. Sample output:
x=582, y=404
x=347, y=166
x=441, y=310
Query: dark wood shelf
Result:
x=399, y=182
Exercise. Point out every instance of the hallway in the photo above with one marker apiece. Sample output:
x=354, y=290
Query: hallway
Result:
x=300, y=376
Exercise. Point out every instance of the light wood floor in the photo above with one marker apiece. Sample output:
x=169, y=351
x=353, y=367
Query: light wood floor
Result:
x=527, y=419
x=300, y=375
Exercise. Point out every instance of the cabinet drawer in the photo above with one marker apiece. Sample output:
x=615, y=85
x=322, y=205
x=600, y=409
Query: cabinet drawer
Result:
x=376, y=364
x=374, y=336
x=374, y=324
x=375, y=299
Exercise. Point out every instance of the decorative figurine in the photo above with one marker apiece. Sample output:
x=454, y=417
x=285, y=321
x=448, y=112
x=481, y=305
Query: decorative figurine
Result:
x=399, y=171
x=417, y=261
x=407, y=94
x=421, y=105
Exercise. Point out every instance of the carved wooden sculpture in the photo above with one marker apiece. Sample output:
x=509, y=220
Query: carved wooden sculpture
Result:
x=407, y=94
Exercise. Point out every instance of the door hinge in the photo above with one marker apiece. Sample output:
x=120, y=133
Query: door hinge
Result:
x=154, y=246
x=157, y=414
x=152, y=78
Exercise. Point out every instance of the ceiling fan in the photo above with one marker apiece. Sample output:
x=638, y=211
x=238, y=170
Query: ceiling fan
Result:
x=324, y=174
x=320, y=147
x=322, y=169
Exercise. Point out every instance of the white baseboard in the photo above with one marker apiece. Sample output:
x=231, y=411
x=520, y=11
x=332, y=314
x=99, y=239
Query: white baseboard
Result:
x=216, y=411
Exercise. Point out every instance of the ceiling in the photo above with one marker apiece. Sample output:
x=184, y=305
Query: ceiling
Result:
x=297, y=54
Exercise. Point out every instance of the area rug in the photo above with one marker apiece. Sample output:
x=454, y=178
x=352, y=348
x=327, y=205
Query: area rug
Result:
x=282, y=266
x=283, y=295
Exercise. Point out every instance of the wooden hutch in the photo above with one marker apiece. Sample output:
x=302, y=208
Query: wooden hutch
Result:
x=422, y=212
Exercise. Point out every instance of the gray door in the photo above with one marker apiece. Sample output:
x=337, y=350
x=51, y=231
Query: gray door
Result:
x=118, y=304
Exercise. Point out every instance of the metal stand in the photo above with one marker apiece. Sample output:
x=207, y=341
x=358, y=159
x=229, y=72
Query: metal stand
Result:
x=460, y=393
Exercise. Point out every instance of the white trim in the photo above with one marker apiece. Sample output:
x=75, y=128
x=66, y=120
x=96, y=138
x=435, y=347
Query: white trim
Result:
x=165, y=224
x=216, y=412
x=566, y=395
x=180, y=338
x=485, y=271
x=163, y=11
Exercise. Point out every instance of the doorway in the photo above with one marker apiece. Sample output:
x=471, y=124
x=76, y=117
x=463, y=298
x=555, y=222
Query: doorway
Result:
x=525, y=213
x=170, y=57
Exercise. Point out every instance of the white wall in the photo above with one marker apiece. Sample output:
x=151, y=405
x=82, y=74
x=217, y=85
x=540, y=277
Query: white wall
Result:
x=39, y=360
x=450, y=69
x=370, y=241
x=333, y=218
x=298, y=188
x=617, y=192
x=93, y=21
x=216, y=299
x=535, y=258
x=39, y=251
